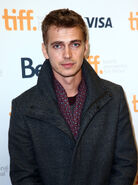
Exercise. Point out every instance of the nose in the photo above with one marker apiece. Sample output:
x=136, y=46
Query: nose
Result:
x=67, y=52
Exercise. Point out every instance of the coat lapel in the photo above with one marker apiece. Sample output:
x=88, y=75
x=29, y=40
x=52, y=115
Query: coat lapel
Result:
x=91, y=112
x=45, y=106
x=49, y=113
x=97, y=96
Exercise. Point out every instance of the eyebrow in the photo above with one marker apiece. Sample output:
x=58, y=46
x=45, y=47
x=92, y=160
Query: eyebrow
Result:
x=61, y=42
x=76, y=41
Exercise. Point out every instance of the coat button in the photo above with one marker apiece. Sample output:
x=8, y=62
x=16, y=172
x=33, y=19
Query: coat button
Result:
x=32, y=106
x=98, y=107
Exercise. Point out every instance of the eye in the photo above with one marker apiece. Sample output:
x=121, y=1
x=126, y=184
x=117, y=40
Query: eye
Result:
x=75, y=45
x=57, y=46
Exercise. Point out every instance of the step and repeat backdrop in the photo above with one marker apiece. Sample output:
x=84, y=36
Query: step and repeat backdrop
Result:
x=113, y=37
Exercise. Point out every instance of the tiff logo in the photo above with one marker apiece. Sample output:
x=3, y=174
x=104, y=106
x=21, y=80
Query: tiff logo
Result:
x=133, y=21
x=135, y=103
x=93, y=60
x=24, y=16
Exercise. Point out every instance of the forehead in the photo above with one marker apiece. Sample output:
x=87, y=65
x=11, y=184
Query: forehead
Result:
x=64, y=34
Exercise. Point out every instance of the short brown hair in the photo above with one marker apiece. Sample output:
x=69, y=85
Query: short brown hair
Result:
x=63, y=18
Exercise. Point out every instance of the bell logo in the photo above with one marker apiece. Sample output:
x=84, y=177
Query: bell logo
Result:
x=28, y=71
x=93, y=60
x=133, y=21
x=135, y=102
x=11, y=20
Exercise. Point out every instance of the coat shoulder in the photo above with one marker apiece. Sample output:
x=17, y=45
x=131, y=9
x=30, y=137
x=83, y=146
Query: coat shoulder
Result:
x=26, y=98
x=113, y=87
x=117, y=92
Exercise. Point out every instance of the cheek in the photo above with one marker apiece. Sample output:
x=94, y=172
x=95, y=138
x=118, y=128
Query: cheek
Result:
x=79, y=56
x=54, y=65
x=79, y=53
x=55, y=55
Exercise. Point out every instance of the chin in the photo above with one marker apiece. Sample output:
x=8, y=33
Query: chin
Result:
x=70, y=74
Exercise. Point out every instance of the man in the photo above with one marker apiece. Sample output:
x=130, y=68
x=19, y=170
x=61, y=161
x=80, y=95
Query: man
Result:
x=72, y=128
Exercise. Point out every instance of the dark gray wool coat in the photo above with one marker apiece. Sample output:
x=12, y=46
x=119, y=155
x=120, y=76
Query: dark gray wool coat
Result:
x=43, y=150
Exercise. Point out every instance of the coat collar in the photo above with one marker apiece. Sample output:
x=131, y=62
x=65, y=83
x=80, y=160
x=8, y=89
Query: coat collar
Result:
x=97, y=90
x=45, y=106
x=97, y=96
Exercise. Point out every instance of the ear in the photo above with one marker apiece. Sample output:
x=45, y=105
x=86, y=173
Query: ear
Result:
x=86, y=49
x=44, y=50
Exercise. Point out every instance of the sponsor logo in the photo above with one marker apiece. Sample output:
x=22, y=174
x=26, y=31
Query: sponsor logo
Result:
x=133, y=21
x=94, y=61
x=106, y=66
x=3, y=170
x=135, y=103
x=28, y=71
x=18, y=20
x=98, y=22
x=113, y=67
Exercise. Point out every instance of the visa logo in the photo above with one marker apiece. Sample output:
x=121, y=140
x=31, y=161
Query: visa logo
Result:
x=99, y=22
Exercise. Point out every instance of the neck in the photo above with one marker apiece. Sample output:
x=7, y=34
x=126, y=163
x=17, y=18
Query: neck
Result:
x=70, y=84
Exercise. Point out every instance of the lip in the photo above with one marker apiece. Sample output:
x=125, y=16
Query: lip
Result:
x=67, y=65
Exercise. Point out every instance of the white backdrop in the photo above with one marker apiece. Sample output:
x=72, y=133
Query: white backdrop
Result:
x=113, y=31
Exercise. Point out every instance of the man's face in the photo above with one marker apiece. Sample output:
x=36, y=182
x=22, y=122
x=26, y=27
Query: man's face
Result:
x=65, y=49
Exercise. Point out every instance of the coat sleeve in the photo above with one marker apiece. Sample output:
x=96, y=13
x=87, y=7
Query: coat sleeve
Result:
x=125, y=157
x=23, y=167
